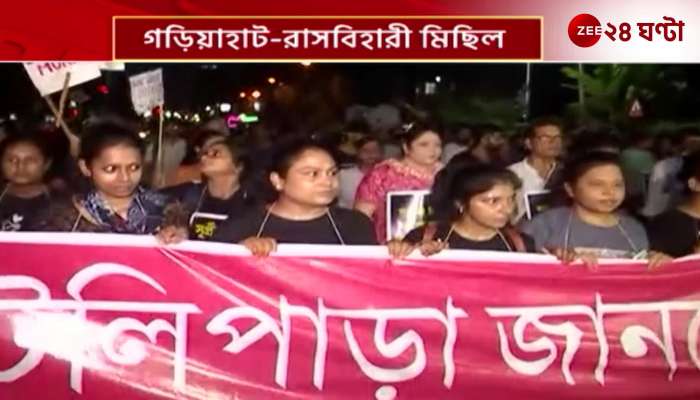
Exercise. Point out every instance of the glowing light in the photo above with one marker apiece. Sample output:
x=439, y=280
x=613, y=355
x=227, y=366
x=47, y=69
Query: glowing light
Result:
x=256, y=94
x=247, y=119
x=225, y=107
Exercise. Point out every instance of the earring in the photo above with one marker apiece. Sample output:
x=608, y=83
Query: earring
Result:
x=461, y=209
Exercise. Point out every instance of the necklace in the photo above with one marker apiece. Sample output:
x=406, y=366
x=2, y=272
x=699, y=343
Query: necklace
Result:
x=569, y=233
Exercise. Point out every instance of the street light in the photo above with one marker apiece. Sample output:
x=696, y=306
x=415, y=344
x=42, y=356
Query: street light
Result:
x=256, y=94
x=271, y=80
x=242, y=95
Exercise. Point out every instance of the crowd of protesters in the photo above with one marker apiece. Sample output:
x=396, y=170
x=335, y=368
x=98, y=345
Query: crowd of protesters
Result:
x=606, y=194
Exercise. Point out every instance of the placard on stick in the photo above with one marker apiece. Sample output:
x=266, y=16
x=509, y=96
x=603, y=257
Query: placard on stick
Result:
x=50, y=77
x=147, y=91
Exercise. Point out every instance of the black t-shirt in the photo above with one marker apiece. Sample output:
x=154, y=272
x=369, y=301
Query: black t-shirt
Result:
x=354, y=228
x=207, y=213
x=674, y=233
x=457, y=242
x=19, y=214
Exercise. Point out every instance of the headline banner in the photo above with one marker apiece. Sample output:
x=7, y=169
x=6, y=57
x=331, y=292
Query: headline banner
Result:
x=328, y=38
x=84, y=316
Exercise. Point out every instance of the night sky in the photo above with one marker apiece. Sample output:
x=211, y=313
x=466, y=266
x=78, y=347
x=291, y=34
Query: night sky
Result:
x=188, y=86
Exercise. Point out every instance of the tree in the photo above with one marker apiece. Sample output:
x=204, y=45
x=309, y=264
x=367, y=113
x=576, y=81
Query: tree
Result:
x=610, y=89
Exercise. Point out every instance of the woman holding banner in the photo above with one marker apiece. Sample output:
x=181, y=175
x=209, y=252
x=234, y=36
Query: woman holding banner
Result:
x=677, y=232
x=301, y=186
x=222, y=195
x=592, y=227
x=472, y=204
x=25, y=196
x=422, y=147
x=111, y=157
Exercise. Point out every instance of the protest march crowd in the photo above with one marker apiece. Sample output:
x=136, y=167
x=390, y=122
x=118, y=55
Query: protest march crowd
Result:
x=577, y=192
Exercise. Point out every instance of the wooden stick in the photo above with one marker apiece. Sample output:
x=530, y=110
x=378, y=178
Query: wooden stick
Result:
x=62, y=102
x=160, y=167
x=73, y=139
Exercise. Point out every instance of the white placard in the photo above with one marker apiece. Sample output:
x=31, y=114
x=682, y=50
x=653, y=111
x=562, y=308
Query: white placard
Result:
x=405, y=211
x=147, y=90
x=49, y=77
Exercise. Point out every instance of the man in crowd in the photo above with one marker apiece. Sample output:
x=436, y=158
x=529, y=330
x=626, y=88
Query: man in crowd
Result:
x=539, y=167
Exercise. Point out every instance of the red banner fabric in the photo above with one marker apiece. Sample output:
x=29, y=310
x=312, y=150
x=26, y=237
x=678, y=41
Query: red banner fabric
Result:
x=117, y=317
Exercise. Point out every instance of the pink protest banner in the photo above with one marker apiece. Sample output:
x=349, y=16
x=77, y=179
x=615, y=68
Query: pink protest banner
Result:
x=116, y=317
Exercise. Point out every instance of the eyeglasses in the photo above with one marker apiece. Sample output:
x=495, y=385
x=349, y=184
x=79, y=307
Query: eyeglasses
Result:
x=548, y=138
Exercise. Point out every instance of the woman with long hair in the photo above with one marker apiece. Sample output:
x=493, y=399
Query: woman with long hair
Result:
x=221, y=194
x=422, y=147
x=472, y=205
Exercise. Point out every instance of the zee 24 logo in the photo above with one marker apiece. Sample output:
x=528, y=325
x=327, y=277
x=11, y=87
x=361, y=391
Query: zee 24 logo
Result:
x=585, y=30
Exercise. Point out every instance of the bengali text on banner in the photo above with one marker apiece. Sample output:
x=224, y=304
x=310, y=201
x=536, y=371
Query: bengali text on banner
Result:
x=87, y=317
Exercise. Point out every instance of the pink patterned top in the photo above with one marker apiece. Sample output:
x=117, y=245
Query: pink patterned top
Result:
x=390, y=176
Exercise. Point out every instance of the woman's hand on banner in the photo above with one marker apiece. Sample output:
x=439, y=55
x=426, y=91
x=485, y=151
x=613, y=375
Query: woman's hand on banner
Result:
x=260, y=247
x=590, y=260
x=658, y=260
x=171, y=235
x=399, y=249
x=430, y=247
x=568, y=256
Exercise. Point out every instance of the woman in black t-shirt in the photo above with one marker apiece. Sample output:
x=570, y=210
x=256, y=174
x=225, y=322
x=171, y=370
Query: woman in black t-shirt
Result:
x=302, y=185
x=25, y=198
x=676, y=232
x=222, y=195
x=473, y=204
